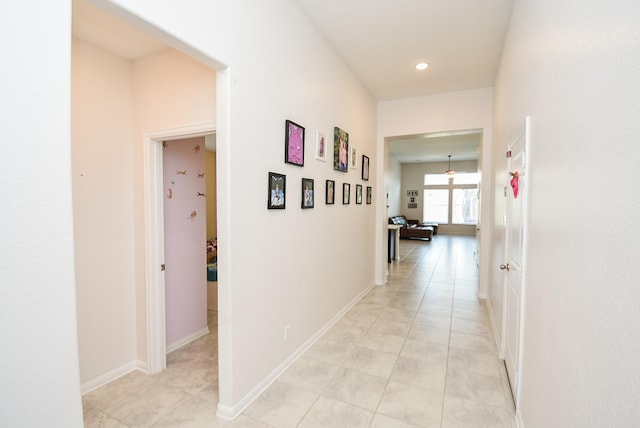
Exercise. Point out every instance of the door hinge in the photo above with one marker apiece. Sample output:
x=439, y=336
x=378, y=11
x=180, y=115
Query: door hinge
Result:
x=162, y=267
x=509, y=154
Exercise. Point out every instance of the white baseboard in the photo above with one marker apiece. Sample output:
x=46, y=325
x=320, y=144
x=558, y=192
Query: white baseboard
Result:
x=135, y=365
x=384, y=280
x=142, y=366
x=110, y=376
x=232, y=412
x=494, y=327
x=188, y=339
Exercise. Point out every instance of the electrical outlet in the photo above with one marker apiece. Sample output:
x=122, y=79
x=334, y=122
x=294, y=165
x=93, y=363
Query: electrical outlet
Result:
x=286, y=333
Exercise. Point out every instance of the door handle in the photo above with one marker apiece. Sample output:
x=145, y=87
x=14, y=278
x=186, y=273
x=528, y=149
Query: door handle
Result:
x=504, y=267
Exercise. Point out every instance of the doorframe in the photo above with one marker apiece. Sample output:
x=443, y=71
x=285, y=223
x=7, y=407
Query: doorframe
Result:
x=154, y=237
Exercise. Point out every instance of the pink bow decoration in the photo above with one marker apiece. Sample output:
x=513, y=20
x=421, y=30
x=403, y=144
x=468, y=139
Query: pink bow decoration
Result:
x=515, y=183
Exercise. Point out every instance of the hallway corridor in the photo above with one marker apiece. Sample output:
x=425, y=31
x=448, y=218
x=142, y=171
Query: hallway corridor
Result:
x=416, y=352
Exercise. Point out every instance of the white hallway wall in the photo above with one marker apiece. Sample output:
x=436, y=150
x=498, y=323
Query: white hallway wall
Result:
x=102, y=178
x=443, y=112
x=574, y=69
x=39, y=363
x=307, y=83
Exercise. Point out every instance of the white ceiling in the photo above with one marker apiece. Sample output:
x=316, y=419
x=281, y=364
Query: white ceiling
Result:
x=381, y=41
x=110, y=33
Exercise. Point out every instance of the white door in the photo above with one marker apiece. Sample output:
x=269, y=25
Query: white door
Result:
x=513, y=266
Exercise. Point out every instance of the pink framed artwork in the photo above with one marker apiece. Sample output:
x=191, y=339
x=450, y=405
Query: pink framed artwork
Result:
x=294, y=143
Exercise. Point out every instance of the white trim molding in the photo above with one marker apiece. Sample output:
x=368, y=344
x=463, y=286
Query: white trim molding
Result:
x=186, y=340
x=109, y=376
x=494, y=327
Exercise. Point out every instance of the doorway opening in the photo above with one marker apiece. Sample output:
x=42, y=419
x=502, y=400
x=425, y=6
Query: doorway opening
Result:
x=154, y=242
x=148, y=336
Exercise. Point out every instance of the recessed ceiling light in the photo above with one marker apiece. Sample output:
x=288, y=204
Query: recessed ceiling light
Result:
x=422, y=66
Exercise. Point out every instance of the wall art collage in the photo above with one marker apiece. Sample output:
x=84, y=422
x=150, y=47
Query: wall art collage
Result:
x=345, y=157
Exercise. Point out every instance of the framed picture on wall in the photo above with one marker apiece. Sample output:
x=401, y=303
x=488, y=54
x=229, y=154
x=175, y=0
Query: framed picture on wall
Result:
x=277, y=191
x=365, y=168
x=321, y=146
x=358, y=194
x=369, y=191
x=307, y=193
x=353, y=155
x=330, y=192
x=340, y=150
x=346, y=193
x=294, y=143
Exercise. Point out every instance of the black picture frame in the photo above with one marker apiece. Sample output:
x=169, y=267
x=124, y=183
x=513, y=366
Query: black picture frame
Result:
x=307, y=195
x=365, y=168
x=330, y=192
x=294, y=143
x=346, y=193
x=369, y=192
x=358, y=194
x=277, y=192
x=340, y=150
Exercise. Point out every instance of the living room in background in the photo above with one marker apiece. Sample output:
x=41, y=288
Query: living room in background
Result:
x=451, y=199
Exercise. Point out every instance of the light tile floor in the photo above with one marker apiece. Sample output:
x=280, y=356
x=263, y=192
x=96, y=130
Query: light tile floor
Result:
x=416, y=352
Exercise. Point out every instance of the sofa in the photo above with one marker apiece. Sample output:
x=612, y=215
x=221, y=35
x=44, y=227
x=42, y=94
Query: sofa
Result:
x=425, y=224
x=412, y=229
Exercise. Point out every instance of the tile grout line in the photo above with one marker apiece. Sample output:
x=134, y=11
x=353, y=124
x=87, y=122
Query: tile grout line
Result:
x=446, y=372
